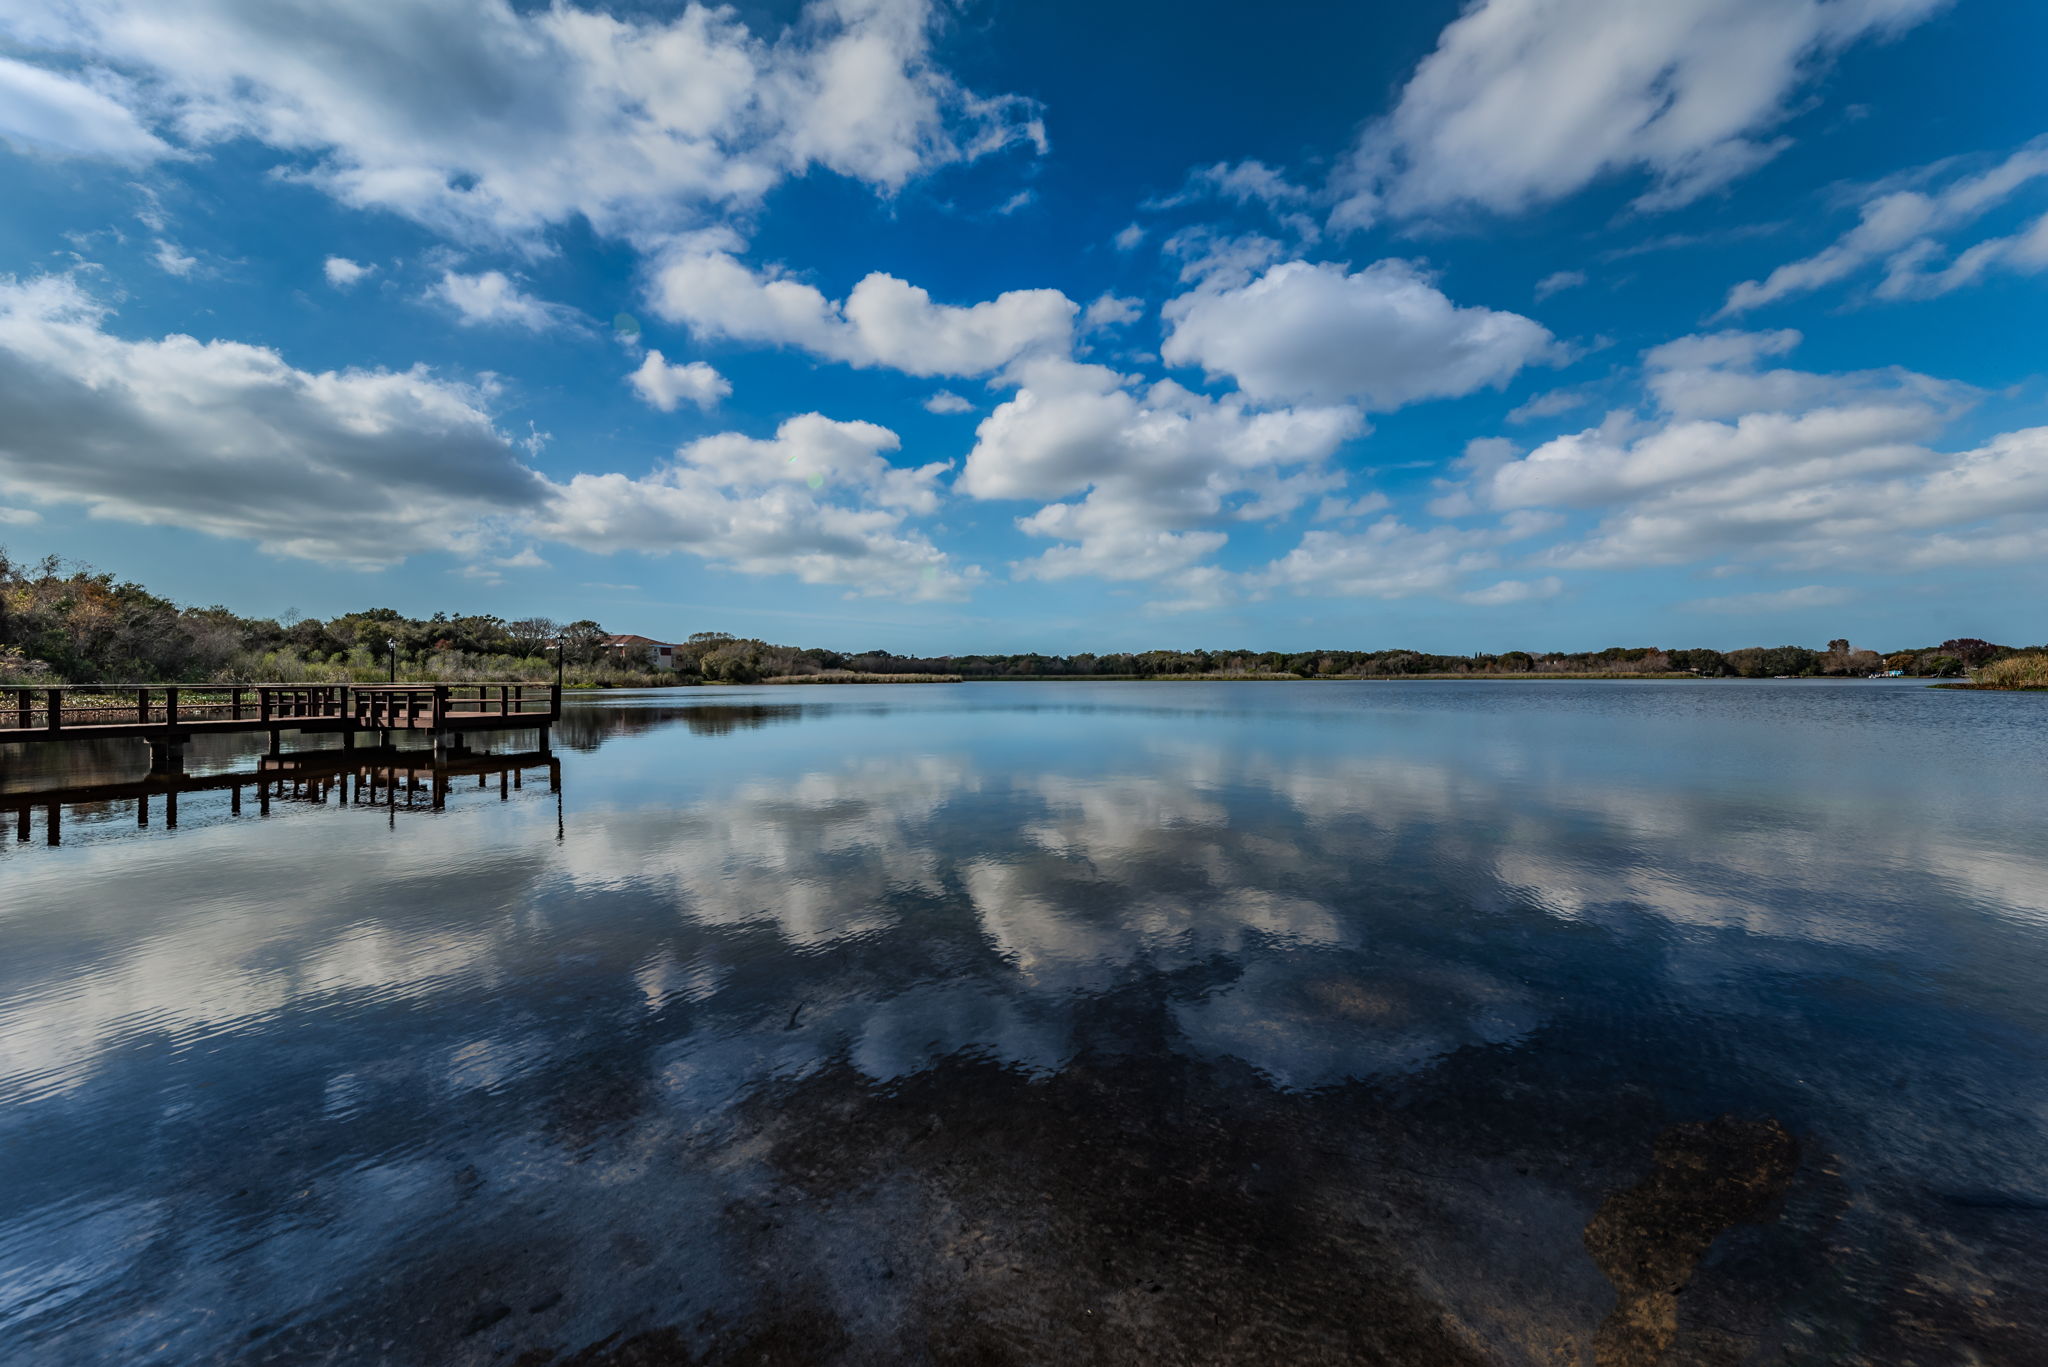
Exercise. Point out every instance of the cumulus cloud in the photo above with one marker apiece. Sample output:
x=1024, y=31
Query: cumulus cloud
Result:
x=666, y=386
x=343, y=273
x=884, y=322
x=1526, y=101
x=1155, y=467
x=1384, y=336
x=1388, y=559
x=1112, y=310
x=946, y=401
x=1903, y=228
x=1129, y=236
x=491, y=121
x=368, y=467
x=492, y=298
x=1743, y=463
x=818, y=500
x=52, y=113
x=358, y=467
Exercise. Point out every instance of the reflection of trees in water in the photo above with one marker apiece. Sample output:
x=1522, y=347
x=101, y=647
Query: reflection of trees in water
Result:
x=587, y=727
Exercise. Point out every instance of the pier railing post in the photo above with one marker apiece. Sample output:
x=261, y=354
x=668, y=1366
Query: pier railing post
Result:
x=54, y=704
x=171, y=708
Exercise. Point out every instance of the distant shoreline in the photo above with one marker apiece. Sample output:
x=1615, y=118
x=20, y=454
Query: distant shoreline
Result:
x=838, y=680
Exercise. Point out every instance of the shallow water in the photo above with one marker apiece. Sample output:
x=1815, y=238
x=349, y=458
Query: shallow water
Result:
x=1397, y=1022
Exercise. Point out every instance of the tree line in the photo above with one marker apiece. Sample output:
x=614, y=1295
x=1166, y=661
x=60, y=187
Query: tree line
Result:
x=65, y=623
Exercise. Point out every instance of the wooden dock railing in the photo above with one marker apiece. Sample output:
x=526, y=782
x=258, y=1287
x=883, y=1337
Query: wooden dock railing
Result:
x=167, y=711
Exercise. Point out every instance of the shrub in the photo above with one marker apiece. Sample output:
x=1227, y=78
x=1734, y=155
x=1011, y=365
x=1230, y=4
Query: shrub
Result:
x=2015, y=671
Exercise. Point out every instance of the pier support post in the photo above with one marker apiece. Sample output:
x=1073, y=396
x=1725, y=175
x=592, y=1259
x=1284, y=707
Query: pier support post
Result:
x=448, y=743
x=167, y=756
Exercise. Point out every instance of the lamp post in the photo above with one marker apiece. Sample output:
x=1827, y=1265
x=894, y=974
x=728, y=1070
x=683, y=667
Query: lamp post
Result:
x=557, y=648
x=393, y=644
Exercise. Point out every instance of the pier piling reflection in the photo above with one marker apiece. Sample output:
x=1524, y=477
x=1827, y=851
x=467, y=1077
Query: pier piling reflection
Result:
x=397, y=779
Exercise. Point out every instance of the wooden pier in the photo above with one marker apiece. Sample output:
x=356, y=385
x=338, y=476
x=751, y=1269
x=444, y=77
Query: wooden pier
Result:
x=167, y=716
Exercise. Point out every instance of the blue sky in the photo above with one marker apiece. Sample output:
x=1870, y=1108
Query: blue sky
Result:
x=1059, y=326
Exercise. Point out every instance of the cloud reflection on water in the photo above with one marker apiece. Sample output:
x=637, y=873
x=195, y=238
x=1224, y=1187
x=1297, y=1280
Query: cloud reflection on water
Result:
x=388, y=1019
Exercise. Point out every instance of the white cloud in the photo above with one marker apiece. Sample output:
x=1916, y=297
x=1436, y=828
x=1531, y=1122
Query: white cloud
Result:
x=343, y=273
x=1775, y=600
x=49, y=112
x=1548, y=405
x=1247, y=182
x=1558, y=281
x=1100, y=540
x=1911, y=274
x=946, y=401
x=1021, y=200
x=1526, y=101
x=1510, y=591
x=1384, y=336
x=368, y=467
x=1221, y=260
x=1129, y=236
x=491, y=122
x=1112, y=310
x=357, y=467
x=19, y=517
x=818, y=500
x=1347, y=509
x=884, y=322
x=1718, y=375
x=1788, y=468
x=172, y=260
x=1902, y=226
x=1388, y=559
x=1157, y=468
x=665, y=385
x=493, y=298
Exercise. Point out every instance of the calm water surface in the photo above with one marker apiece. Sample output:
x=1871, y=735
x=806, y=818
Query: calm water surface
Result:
x=1404, y=1023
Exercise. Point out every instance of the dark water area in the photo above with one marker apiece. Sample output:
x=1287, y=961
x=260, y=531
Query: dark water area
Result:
x=1613, y=1023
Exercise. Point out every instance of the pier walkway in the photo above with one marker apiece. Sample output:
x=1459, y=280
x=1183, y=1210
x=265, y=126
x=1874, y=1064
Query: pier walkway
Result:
x=168, y=716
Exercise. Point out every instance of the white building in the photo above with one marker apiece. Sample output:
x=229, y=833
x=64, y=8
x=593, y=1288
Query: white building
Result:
x=644, y=652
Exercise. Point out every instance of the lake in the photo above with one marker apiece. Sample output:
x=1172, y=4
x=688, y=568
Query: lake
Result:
x=1068, y=1023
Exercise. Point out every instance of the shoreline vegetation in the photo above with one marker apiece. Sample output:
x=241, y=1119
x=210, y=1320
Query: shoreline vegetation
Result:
x=2022, y=673
x=63, y=623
